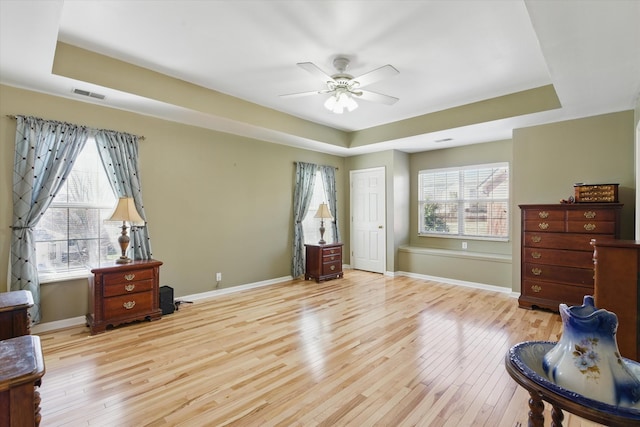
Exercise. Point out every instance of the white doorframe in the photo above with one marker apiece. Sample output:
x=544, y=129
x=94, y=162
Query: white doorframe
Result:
x=368, y=219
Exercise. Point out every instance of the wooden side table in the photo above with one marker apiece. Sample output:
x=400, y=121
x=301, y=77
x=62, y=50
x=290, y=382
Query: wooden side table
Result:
x=21, y=373
x=323, y=262
x=541, y=390
x=124, y=293
x=14, y=314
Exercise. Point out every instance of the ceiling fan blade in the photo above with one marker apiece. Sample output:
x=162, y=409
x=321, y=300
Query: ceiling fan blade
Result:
x=376, y=75
x=301, y=94
x=313, y=69
x=367, y=95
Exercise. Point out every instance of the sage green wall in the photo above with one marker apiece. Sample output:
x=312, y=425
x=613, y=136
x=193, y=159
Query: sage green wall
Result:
x=215, y=202
x=396, y=165
x=549, y=159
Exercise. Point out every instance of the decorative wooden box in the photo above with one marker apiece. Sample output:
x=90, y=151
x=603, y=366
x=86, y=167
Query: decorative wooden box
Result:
x=596, y=193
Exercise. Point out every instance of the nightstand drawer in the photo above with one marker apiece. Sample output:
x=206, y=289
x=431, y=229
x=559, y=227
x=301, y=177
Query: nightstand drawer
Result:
x=128, y=276
x=127, y=288
x=332, y=267
x=128, y=305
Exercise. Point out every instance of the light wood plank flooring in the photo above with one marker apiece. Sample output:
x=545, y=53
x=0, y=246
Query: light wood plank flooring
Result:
x=366, y=350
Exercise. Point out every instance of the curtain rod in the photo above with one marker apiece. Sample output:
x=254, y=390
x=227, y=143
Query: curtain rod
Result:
x=140, y=137
x=335, y=167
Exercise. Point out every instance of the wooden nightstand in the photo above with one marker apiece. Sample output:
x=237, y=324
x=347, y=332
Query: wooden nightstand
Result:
x=123, y=293
x=323, y=262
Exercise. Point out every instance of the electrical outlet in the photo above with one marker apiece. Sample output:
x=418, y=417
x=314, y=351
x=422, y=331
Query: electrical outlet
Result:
x=464, y=245
x=218, y=276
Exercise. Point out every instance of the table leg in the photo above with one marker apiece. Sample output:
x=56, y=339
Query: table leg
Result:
x=536, y=408
x=556, y=416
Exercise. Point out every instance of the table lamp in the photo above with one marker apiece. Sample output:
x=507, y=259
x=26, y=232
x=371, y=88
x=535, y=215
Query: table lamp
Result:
x=323, y=213
x=126, y=212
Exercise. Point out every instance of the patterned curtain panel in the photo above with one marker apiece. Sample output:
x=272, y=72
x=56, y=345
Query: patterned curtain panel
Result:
x=44, y=156
x=119, y=154
x=302, y=194
x=328, y=174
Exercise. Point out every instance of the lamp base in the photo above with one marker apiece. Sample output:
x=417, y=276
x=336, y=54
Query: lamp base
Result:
x=123, y=260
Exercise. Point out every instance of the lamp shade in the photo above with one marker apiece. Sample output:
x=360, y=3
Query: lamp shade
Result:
x=323, y=212
x=126, y=211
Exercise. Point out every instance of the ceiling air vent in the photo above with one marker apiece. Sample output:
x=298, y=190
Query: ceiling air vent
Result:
x=89, y=94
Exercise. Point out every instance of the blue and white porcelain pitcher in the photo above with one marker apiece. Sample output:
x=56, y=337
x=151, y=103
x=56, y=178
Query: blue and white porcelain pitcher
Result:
x=586, y=359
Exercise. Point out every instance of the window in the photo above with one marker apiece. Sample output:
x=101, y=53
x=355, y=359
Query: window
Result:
x=311, y=225
x=72, y=236
x=467, y=202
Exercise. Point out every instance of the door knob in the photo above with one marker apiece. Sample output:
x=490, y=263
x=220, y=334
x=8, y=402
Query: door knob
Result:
x=380, y=227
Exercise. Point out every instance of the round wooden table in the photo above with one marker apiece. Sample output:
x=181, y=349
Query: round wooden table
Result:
x=518, y=364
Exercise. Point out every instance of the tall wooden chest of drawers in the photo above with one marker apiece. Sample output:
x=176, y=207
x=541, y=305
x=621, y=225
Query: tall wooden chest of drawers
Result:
x=557, y=257
x=617, y=289
x=123, y=293
x=323, y=262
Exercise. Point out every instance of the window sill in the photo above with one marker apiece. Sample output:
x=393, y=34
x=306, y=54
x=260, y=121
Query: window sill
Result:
x=64, y=277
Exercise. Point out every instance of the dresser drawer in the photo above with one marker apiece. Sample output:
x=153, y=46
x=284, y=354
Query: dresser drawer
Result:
x=543, y=214
x=554, y=273
x=128, y=288
x=128, y=305
x=587, y=214
x=559, y=257
x=557, y=292
x=544, y=226
x=591, y=227
x=571, y=241
x=128, y=276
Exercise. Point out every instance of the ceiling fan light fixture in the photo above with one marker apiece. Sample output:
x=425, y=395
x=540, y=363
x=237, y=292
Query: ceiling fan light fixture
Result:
x=340, y=101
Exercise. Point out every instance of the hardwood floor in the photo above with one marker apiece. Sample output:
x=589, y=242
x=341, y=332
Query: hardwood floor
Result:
x=361, y=351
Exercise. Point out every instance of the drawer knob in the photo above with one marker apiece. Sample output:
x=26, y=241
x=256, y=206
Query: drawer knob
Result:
x=543, y=214
x=536, y=255
x=129, y=276
x=129, y=305
x=130, y=287
x=536, y=239
x=589, y=227
x=543, y=225
x=536, y=271
x=333, y=267
x=536, y=288
x=590, y=214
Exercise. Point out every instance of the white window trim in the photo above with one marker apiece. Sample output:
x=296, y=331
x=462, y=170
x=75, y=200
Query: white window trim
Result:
x=461, y=235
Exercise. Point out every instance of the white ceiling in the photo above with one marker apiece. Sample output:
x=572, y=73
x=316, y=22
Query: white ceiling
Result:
x=449, y=54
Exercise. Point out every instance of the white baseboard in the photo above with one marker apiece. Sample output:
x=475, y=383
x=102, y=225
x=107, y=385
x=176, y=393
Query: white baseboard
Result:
x=233, y=289
x=58, y=324
x=464, y=283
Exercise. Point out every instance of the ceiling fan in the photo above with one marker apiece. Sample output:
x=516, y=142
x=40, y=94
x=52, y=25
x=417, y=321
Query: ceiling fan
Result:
x=344, y=88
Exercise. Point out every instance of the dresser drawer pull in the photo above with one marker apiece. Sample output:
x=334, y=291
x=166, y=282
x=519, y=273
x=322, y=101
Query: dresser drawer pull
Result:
x=536, y=239
x=589, y=227
x=130, y=287
x=129, y=305
x=543, y=214
x=589, y=214
x=333, y=267
x=543, y=225
x=536, y=271
x=536, y=288
x=130, y=276
x=536, y=255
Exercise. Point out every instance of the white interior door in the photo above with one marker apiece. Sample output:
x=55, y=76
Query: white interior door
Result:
x=368, y=234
